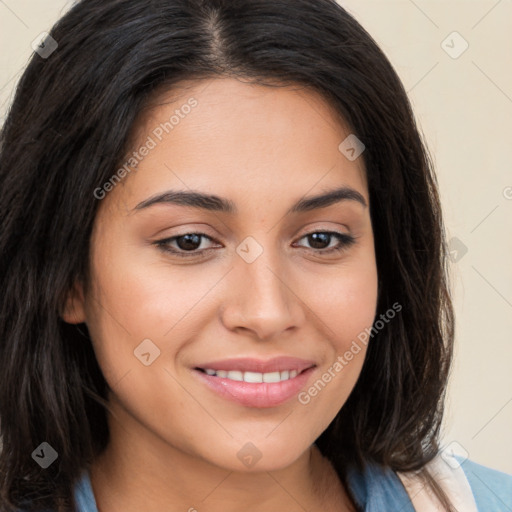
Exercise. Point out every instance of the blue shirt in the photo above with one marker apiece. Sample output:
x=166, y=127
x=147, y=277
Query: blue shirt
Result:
x=380, y=490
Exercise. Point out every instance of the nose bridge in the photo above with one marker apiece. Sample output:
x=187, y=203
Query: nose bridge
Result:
x=260, y=271
x=260, y=297
x=264, y=280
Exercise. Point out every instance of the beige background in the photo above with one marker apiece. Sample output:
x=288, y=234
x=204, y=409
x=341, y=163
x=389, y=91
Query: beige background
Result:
x=464, y=106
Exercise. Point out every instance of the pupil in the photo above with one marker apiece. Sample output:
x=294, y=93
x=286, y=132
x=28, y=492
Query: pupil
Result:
x=319, y=238
x=191, y=241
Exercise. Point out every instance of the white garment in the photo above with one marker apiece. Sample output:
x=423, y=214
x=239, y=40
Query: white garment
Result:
x=447, y=472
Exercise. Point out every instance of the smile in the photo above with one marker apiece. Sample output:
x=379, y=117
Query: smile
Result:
x=253, y=377
x=254, y=382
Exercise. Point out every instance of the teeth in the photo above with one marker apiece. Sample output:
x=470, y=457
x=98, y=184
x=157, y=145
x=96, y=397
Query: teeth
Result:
x=250, y=376
x=234, y=375
x=271, y=377
x=253, y=377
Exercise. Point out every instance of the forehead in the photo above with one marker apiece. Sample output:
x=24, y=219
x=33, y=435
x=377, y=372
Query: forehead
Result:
x=226, y=136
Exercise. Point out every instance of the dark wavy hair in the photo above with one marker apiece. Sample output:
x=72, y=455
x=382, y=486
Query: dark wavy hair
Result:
x=67, y=130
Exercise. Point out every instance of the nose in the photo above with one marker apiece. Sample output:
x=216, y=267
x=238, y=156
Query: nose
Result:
x=261, y=298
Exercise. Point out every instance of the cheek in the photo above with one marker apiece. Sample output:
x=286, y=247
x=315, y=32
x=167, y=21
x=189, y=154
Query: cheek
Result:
x=345, y=310
x=350, y=307
x=136, y=300
x=132, y=310
x=141, y=297
x=346, y=301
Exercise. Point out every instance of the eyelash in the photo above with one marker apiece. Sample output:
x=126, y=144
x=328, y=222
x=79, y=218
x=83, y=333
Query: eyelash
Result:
x=345, y=242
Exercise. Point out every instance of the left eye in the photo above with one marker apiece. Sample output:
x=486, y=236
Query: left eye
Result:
x=322, y=237
x=189, y=243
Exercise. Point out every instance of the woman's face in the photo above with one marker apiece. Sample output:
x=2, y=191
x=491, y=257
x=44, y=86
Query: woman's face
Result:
x=260, y=282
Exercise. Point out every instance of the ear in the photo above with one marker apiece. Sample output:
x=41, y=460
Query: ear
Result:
x=74, y=308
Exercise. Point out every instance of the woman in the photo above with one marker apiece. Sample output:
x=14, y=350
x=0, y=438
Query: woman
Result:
x=223, y=270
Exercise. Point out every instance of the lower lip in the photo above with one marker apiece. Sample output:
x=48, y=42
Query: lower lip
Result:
x=264, y=394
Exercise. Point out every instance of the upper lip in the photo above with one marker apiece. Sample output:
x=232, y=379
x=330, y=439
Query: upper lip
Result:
x=245, y=364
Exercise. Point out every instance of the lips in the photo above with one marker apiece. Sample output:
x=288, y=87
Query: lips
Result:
x=256, y=383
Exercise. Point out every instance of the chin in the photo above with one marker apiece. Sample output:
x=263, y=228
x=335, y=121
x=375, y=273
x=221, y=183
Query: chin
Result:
x=263, y=455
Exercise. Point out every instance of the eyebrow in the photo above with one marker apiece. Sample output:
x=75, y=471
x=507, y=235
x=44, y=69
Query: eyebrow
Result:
x=218, y=204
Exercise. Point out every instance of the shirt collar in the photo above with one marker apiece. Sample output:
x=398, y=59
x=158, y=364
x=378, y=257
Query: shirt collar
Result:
x=376, y=489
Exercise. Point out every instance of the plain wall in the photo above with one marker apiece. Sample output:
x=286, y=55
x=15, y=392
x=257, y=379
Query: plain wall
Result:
x=464, y=107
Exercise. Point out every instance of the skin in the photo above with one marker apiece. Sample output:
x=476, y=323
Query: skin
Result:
x=174, y=442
